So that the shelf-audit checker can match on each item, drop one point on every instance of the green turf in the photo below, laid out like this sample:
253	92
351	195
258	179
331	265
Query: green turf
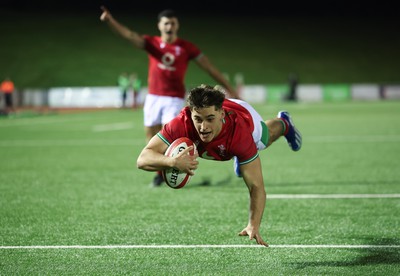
64	182
76	49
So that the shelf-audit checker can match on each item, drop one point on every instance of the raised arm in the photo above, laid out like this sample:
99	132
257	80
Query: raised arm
252	175
204	63
122	30
152	158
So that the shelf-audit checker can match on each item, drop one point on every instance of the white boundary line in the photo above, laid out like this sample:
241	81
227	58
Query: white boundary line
71	142
183	246
329	196
132	142
354	138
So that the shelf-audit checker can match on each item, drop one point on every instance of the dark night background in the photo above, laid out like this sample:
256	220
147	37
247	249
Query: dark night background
323	41
307	8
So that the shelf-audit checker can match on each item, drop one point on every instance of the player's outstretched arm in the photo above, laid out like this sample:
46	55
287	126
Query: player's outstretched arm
152	158
252	175
204	63
122	30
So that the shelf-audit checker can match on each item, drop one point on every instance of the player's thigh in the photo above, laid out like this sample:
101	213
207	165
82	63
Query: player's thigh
260	132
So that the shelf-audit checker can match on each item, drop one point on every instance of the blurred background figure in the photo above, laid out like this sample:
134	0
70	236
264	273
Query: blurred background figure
293	81
124	83
7	88
136	85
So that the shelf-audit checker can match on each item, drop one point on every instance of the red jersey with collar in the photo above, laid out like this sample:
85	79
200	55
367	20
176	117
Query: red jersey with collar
168	64
235	138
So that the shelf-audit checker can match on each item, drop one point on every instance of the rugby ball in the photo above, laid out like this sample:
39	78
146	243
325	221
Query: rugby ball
173	177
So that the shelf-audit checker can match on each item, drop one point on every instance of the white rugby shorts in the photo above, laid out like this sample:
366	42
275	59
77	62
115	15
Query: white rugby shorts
159	110
260	132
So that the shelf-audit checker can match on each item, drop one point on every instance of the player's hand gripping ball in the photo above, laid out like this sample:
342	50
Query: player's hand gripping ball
173	177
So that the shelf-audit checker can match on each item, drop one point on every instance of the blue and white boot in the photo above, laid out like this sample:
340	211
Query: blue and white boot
293	135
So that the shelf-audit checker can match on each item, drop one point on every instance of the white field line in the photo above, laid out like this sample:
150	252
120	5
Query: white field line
72	143
95	128
184	246
112	127
330	196
40	121
134	142
352	138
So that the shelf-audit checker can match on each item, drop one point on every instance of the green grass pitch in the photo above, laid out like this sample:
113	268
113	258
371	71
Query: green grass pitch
71	180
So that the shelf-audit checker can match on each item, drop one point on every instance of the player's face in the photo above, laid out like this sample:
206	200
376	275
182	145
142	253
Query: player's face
208	122
168	28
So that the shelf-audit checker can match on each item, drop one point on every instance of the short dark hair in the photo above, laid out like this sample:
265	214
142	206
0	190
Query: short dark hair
205	96
167	13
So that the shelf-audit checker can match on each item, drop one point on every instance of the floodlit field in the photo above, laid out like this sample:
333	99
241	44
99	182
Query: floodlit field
73	202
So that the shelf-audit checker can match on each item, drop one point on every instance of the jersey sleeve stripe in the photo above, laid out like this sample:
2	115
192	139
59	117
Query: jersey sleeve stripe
163	138
249	160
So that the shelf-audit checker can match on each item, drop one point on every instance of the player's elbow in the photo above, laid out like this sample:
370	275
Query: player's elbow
258	190
143	163
140	163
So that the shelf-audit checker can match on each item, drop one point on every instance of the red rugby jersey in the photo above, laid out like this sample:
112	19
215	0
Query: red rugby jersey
235	138
168	65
